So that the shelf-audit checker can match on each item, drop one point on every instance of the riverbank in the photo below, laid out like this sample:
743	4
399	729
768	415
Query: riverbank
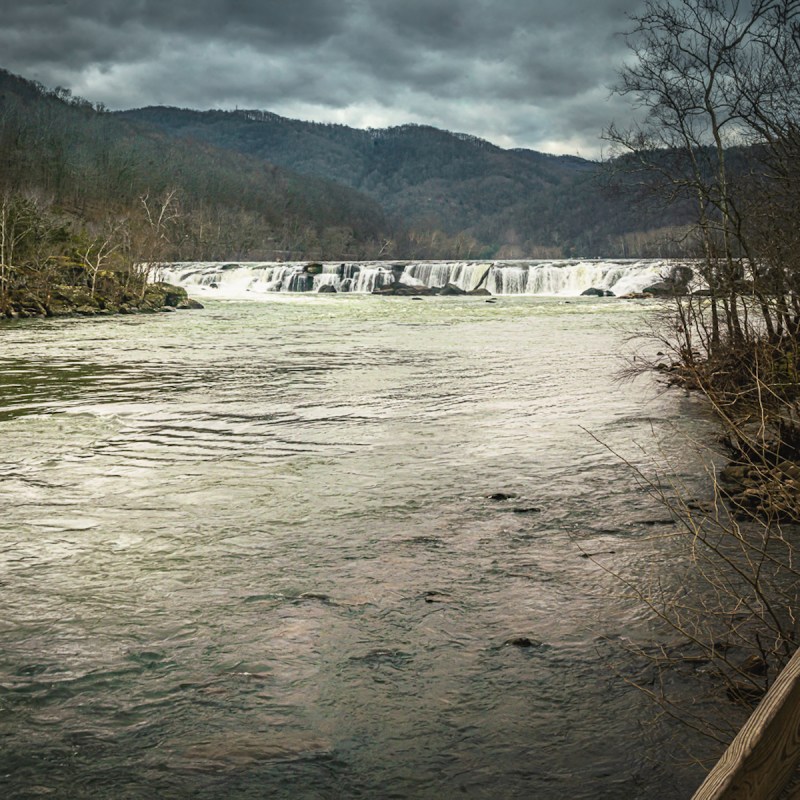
65	300
753	389
742	544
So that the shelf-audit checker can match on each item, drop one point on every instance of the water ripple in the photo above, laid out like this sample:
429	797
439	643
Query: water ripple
252	552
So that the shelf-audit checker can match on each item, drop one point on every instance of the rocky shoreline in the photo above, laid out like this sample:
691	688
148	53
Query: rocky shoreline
761	479
766	491
79	301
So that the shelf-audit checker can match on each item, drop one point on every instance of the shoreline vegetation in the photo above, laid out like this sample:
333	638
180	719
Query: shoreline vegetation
114	296
53	266
711	75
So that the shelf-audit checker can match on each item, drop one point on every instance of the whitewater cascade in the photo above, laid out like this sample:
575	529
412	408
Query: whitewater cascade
567	278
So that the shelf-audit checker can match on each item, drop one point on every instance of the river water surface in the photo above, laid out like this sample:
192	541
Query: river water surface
250	552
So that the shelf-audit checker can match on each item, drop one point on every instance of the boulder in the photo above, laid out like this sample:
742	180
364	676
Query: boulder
313	268
674	284
451	289
681	275
664	289
191	304
523	641
404	290
327	288
158	295
175	296
593	292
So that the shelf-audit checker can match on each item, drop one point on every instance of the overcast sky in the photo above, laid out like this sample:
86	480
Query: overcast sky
521	73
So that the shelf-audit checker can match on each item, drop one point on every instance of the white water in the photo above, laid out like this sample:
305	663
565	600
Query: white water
554	277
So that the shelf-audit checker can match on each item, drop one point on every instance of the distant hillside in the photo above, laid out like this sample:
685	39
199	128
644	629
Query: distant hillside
512	202
90	164
384	163
252	184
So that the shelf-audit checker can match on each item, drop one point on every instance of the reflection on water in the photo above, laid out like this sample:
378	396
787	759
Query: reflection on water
251	552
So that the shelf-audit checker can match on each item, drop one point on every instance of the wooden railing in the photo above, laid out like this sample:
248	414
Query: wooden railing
763	758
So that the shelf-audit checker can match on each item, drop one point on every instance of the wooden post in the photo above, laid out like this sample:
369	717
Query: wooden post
763	757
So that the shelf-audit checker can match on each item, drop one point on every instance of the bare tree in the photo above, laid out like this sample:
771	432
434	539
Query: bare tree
25	239
718	86
710	75
96	252
13	229
151	233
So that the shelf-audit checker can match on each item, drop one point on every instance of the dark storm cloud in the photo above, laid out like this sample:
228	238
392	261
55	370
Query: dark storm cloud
532	73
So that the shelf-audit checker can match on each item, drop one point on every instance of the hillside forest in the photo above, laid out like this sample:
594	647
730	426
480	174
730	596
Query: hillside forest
232	185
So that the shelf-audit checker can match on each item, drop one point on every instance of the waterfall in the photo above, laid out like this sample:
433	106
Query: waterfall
540	277
509	280
371	277
436	274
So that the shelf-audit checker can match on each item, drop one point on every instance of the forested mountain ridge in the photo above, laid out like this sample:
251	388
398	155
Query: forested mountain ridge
377	161
506	202
254	185
90	165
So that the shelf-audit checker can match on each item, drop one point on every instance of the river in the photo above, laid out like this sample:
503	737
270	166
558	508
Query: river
251	551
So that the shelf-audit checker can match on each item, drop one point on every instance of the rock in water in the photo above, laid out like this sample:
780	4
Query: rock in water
662	289
452	289
523	641
675	284
402	289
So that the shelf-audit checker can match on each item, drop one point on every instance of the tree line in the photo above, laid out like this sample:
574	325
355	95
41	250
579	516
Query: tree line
447	186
